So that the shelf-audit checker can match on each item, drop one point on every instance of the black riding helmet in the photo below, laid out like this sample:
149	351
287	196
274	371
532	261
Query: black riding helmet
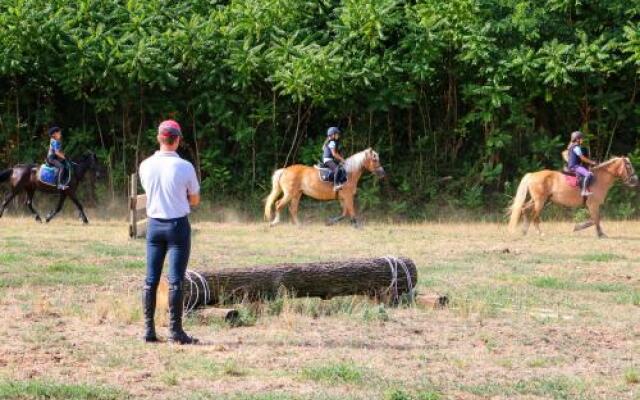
53	130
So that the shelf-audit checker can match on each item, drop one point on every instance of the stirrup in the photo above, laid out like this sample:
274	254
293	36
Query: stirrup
586	193
62	187
337	188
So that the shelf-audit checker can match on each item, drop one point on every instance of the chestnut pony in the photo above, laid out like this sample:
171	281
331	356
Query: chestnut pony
296	180
551	185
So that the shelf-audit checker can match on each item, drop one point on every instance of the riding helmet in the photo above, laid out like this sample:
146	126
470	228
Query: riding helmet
576	135
332	131
53	130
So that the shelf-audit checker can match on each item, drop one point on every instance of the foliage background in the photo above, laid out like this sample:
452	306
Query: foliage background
477	90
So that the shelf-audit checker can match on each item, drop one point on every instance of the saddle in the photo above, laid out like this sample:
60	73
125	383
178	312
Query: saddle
326	175
574	180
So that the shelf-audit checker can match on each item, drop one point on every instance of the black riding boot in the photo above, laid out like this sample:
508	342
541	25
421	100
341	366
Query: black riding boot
149	308
176	334
336	179
586	182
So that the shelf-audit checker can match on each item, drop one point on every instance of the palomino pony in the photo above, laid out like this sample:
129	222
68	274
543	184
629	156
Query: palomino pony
551	185
296	180
24	177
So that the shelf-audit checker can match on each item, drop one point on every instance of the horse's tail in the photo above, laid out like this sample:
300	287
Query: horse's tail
5	175
518	202
276	189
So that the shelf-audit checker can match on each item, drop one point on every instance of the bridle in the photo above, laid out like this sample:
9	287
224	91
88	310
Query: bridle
377	167
631	178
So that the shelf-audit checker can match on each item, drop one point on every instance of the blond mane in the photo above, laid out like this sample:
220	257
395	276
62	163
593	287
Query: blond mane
355	162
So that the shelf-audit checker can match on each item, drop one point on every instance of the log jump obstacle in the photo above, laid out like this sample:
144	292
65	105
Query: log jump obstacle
137	207
387	278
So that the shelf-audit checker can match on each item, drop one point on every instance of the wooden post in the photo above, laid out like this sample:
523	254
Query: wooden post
435	301
141	222
137	204
133	213
229	315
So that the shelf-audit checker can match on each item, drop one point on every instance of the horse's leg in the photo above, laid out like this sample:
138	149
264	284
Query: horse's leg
30	194
526	221
280	204
293	208
538	205
55	211
583	225
349	210
335	220
594	210
7	201
83	216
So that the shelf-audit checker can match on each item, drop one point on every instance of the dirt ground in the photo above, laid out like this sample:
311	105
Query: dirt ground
556	316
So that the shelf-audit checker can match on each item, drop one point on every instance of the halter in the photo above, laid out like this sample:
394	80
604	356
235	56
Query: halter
631	173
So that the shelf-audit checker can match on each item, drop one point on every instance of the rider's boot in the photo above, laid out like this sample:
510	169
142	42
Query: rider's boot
61	186
149	294
176	333
585	188
336	186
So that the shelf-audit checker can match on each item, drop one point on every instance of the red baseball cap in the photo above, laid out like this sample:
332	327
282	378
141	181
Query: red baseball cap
169	128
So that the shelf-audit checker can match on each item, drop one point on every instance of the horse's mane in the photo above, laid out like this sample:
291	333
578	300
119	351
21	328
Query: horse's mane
606	163
354	163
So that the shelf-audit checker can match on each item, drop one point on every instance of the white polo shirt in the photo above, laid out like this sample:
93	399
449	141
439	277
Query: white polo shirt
167	179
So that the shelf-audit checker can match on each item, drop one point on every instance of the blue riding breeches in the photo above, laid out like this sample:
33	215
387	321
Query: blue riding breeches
172	237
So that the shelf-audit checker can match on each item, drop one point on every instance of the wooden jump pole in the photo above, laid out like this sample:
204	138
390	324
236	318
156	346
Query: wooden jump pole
388	278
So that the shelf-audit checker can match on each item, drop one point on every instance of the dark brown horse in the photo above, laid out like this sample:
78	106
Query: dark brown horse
24	178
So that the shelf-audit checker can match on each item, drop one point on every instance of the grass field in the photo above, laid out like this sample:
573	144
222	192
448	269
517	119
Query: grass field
538	317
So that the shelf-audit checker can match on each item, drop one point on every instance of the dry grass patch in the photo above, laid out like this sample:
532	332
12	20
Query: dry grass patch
528	317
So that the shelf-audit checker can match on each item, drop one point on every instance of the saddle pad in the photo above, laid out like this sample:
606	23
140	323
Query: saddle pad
48	175
572	180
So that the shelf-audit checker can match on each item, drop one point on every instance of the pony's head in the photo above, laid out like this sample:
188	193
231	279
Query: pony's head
627	173
90	162
372	163
621	167
365	160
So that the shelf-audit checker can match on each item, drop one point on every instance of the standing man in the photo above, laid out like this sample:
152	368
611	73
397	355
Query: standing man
172	188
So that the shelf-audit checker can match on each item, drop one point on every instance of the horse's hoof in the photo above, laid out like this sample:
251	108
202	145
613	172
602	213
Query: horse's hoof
38	219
